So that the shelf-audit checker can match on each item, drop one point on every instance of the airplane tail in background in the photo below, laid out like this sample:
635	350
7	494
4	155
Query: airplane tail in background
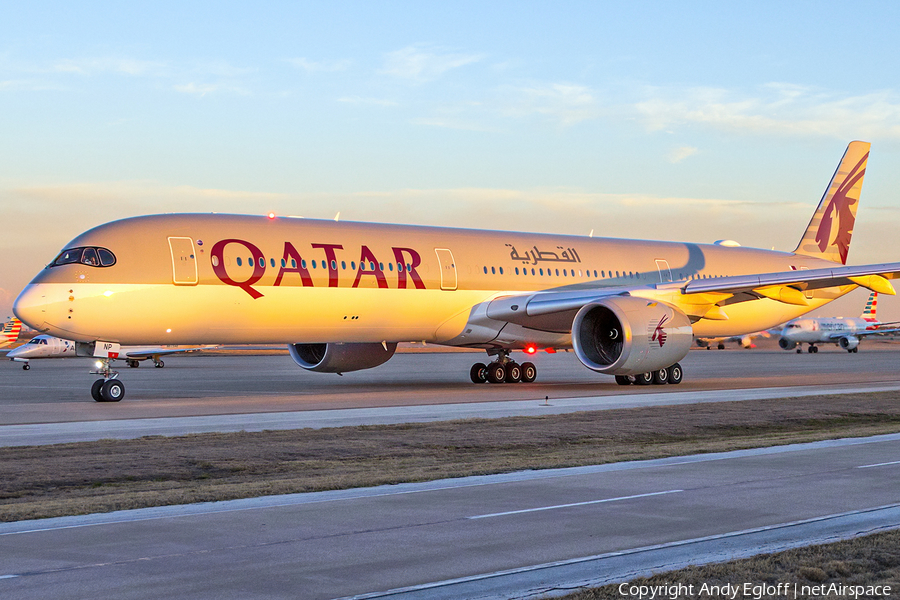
10	332
868	314
829	231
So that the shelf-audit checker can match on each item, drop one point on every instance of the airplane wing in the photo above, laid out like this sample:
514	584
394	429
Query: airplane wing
151	352
704	298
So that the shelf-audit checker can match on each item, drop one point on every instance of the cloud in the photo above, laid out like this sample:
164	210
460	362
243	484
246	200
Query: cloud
565	102
774	109
323	66
679	154
93	66
29	85
419	65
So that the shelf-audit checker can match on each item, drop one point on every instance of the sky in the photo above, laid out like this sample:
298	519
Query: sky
691	121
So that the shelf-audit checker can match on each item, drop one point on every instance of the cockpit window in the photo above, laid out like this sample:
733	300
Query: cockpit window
107	258
69	257
92	257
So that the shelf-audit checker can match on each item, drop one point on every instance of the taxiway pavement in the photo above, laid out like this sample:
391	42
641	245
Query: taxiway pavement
500	536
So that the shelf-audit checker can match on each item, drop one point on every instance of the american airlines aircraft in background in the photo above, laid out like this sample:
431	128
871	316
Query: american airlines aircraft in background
845	332
10	332
343	294
47	346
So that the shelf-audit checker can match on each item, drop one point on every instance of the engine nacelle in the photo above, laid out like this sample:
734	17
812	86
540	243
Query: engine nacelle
340	358
848	343
626	335
785	344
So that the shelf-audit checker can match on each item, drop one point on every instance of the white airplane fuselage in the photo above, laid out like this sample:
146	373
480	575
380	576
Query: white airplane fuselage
825	330
203	279
43	346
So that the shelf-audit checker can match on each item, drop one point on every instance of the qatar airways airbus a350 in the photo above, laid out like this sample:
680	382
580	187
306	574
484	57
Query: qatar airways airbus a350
343	294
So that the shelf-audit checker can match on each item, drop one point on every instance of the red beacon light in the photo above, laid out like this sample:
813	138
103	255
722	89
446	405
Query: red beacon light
271	215
530	349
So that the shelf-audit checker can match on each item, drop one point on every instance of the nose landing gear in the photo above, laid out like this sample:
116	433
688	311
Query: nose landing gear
108	389
503	370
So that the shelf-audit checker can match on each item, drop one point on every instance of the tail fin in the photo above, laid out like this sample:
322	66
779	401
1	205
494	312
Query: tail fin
868	313
829	231
10	332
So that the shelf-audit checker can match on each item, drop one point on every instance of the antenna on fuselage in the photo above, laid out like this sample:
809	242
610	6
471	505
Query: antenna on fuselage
337	217
591	234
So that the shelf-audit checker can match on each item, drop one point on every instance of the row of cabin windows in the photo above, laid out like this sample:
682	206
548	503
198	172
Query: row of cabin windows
315	264
539	271
588	273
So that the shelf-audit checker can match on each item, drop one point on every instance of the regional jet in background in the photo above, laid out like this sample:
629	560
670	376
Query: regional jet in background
343	294
745	341
47	346
10	332
845	332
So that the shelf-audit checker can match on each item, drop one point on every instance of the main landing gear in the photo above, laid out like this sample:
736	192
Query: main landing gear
134	364
673	374
813	349
503	370
108	389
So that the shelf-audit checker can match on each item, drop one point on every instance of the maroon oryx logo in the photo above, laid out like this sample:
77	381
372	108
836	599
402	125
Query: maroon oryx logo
658	334
838	215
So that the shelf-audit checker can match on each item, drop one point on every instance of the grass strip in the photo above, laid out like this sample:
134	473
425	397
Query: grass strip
90	477
870	562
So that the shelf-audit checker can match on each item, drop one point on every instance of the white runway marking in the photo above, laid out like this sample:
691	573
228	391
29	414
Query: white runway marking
884	464
530	510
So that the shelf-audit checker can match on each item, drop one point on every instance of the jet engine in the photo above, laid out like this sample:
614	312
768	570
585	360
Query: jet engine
626	335
340	358
785	344
848	343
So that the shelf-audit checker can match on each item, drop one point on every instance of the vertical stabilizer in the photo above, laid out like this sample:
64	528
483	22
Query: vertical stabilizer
868	313
829	231
10	332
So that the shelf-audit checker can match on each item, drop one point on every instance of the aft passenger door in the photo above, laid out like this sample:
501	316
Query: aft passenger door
665	273
448	268
184	261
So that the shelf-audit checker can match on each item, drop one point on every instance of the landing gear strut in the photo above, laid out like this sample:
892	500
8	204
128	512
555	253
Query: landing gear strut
503	370
108	389
673	375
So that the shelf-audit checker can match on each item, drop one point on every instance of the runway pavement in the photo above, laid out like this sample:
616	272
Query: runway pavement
192	394
501	536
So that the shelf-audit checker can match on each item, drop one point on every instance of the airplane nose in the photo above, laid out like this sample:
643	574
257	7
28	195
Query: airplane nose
17	352
31	307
